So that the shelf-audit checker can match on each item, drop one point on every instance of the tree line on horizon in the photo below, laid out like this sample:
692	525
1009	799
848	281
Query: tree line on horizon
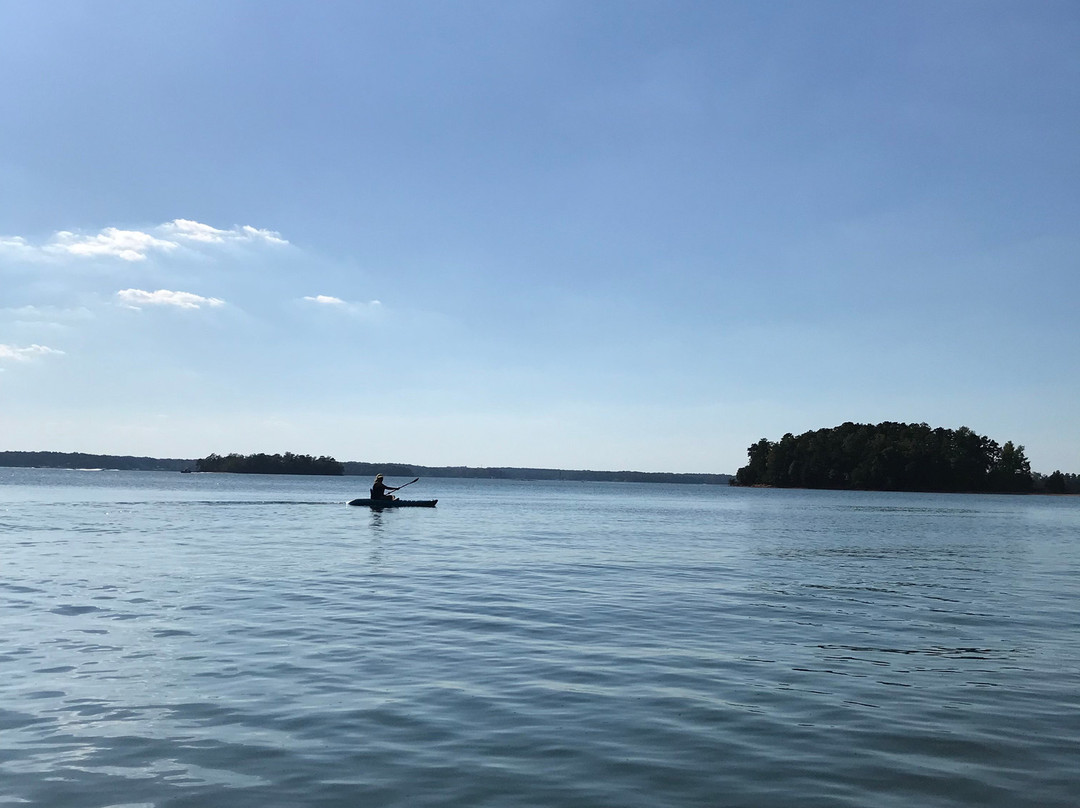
524	473
216	462
82	460
892	457
1056	483
287	463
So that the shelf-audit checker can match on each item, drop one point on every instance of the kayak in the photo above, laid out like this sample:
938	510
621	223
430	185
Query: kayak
395	503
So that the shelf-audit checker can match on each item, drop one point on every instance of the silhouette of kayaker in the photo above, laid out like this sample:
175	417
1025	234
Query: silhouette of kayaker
380	490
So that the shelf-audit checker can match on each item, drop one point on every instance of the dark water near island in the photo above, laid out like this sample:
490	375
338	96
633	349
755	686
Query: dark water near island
220	640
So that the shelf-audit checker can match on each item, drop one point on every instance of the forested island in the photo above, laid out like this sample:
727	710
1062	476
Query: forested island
895	457
287	463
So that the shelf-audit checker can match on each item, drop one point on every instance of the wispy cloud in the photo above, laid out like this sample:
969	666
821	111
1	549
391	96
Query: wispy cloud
188	230
27	354
325	300
44	316
13	243
138	298
137	245
344	306
46	312
19	249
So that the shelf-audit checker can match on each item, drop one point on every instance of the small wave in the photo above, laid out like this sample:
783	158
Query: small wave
906	509
933	651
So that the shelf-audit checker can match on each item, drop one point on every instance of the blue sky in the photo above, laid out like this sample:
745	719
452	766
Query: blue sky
607	235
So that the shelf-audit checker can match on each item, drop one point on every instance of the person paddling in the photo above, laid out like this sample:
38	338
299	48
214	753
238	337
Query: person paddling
379	489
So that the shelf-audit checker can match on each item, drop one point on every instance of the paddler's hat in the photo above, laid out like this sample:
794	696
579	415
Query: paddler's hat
378	476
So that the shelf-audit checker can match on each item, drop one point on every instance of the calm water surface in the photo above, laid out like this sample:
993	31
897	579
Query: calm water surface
230	640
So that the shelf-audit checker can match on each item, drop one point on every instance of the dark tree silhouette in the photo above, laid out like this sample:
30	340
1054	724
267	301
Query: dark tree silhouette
288	463
888	457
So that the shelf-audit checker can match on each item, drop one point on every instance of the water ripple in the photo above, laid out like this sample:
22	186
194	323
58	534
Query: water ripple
518	647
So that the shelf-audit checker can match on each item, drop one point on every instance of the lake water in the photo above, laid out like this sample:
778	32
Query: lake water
231	640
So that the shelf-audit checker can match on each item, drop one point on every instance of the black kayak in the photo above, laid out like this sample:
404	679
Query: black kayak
395	503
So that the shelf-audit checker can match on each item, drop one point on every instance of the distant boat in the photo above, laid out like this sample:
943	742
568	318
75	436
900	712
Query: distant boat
395	503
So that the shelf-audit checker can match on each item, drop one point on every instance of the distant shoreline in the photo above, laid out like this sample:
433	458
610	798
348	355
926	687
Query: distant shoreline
80	460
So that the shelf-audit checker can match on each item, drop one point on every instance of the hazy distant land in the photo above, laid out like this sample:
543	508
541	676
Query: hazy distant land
79	460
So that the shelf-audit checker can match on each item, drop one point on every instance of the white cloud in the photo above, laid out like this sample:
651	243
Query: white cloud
137	298
26	354
325	300
128	245
136	245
